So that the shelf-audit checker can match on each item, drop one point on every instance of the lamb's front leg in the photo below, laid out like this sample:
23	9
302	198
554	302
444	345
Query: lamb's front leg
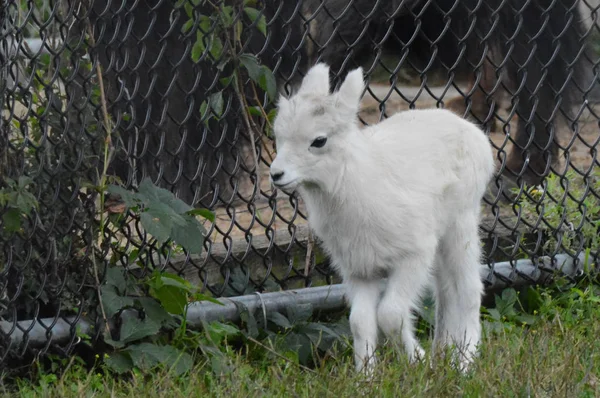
363	297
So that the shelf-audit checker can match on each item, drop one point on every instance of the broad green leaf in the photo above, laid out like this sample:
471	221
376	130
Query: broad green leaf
251	64
253	14
494	314
169	279
190	236
147	355
127	196
119	362
173	299
204	297
299	313
25	201
267	82
248	319
220	365
533	299
216	103
220	331
209	215
279	320
155	311
157	196
112	302
115	276
133	329
11	220
23	181
158	227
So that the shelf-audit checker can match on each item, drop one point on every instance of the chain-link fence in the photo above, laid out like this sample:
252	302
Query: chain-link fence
103	92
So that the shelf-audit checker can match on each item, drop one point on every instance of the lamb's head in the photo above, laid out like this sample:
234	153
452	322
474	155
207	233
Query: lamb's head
315	130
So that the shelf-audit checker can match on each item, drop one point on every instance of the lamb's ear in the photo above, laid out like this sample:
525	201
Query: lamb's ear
316	80
351	89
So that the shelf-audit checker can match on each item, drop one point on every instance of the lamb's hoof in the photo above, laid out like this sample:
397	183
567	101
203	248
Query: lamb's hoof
366	367
417	356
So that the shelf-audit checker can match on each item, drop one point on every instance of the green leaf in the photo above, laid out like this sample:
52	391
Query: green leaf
494	314
23	181
158	197
299	313
533	299
279	320
247	319
172	298
267	82
220	331
251	64
220	365
12	220
226	15
204	297
146	356
160	279
198	48
115	276
112	302
133	329
225	81
189	9
253	14
190	236
155	311
25	201
209	215
119	362
216	103
154	226
254	111
187	26
203	109
272	114
126	196
216	47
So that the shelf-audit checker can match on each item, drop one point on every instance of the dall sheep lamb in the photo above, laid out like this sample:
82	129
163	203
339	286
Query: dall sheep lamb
396	206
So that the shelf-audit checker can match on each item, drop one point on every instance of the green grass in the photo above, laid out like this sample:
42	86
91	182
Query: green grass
552	350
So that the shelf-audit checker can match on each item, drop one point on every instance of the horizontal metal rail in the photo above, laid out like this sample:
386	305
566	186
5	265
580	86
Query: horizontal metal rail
323	298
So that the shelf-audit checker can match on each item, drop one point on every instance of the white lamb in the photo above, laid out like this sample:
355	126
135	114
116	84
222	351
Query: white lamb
394	205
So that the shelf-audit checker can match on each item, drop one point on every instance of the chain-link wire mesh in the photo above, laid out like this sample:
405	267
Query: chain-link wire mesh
104	90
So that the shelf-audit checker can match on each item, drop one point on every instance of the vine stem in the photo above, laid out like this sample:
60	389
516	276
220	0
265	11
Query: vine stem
250	126
108	151
266	118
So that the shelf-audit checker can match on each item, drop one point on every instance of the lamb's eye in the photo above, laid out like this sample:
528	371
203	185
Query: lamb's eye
319	142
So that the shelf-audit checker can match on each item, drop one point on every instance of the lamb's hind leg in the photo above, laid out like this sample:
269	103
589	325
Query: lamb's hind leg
400	296
459	289
363	296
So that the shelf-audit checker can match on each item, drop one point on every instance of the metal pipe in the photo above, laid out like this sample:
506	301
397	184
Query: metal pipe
321	298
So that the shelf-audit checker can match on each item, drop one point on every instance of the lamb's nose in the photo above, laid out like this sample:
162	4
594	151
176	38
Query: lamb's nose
276	176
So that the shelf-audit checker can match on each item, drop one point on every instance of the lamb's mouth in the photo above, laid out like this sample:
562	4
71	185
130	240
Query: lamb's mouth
283	186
